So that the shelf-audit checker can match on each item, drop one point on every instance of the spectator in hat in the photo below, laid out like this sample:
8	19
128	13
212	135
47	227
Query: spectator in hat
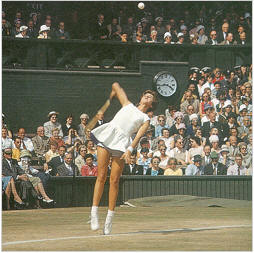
238	169
133	168
202	38
224	157
193	39
40	142
212	40
189	100
22	184
23	32
180	38
155	169
43	32
144	160
171	169
52	124
194	123
82	126
214	141
38	179
89	169
195	169
215	167
168	38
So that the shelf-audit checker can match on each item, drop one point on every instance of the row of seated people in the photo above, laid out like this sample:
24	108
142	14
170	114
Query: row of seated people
223	33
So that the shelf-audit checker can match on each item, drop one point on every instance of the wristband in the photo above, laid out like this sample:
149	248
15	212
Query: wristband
130	148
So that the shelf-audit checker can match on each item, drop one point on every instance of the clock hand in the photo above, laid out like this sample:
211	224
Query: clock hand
162	85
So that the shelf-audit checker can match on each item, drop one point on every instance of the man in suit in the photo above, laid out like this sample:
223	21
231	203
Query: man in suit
100	117
132	168
206	159
221	35
40	142
213	38
243	131
67	168
229	40
57	161
214	167
212	123
10	167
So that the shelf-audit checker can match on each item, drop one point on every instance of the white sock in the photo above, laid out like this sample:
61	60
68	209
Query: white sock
94	209
110	213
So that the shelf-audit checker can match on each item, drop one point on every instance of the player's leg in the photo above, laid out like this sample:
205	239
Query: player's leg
116	172
103	160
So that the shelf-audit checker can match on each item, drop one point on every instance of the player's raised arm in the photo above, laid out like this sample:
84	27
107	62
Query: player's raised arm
117	91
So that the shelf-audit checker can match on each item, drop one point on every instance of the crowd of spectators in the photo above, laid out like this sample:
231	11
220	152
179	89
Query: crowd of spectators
218	24
208	133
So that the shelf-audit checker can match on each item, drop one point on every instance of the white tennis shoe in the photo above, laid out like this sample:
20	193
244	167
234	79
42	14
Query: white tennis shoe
108	225
94	221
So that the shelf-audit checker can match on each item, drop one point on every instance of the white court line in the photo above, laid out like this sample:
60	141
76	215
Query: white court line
126	234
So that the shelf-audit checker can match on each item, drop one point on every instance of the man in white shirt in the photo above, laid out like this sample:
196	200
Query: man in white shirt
26	143
6	141
237	168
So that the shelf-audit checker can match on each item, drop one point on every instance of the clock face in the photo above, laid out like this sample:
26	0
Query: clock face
165	83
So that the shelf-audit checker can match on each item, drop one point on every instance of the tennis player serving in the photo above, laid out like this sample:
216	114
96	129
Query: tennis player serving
114	139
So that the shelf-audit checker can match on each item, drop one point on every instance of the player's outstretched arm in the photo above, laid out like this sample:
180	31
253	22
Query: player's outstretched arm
126	156
118	91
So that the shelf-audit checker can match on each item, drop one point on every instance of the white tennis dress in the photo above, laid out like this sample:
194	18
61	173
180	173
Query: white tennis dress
116	135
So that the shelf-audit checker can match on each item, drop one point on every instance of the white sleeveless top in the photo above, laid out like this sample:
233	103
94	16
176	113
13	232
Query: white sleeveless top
116	134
